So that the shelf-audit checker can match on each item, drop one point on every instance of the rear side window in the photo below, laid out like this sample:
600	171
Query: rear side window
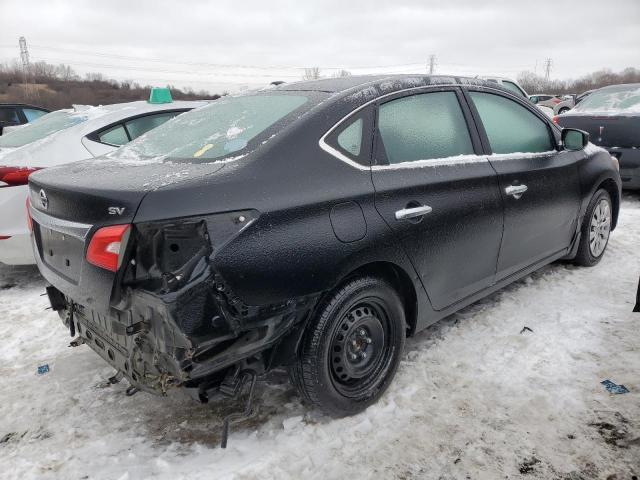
33	114
510	127
114	136
422	127
350	139
142	125
9	116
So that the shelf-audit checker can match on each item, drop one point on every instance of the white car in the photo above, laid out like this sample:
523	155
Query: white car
509	84
62	137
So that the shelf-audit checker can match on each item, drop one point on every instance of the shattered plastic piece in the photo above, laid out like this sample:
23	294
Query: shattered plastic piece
43	369
614	388
525	329
637	307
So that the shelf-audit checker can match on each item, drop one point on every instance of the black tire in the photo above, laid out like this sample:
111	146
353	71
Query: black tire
586	256
336	374
563	110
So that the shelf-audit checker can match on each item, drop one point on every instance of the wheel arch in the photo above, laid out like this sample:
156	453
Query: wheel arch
399	280
610	186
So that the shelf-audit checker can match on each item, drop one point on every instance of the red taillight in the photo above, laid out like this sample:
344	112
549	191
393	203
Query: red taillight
29	219
106	245
14	176
555	119
556	100
5	237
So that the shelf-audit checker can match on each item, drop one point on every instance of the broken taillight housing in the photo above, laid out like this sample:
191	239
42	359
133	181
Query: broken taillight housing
107	246
14	176
29	218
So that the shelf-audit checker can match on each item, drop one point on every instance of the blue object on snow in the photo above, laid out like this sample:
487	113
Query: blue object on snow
614	388
42	369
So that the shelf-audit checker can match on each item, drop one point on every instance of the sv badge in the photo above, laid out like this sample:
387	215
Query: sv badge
115	210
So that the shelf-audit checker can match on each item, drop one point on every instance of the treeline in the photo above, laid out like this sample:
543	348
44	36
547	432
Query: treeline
59	86
533	83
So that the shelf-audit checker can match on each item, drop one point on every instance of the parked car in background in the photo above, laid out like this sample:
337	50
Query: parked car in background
544	100
61	137
14	114
567	103
313	225
611	115
507	83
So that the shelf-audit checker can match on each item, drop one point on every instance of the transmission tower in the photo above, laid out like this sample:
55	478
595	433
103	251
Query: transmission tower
432	64
548	63
24	55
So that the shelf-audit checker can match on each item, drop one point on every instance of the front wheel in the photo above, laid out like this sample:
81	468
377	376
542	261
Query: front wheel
596	227
352	347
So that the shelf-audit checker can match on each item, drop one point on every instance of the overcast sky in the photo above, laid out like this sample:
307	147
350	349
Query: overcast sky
230	45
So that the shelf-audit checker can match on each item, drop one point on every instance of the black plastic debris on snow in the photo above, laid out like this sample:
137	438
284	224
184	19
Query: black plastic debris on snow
614	388
525	329
528	465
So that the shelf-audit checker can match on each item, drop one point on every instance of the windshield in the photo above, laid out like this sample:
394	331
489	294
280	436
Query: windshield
620	98
43	127
222	128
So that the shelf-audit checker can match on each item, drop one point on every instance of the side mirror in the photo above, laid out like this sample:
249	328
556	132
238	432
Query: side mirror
574	139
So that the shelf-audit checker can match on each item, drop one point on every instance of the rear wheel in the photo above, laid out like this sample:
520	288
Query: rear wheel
563	110
596	227
352	347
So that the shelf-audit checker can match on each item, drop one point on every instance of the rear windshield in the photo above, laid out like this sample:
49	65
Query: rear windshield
225	127
42	127
620	98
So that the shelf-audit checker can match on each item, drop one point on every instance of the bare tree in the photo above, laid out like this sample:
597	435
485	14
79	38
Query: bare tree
312	73
342	73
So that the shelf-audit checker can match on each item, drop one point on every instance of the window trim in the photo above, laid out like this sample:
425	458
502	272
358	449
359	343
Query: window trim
322	143
95	135
363	160
553	130
469	120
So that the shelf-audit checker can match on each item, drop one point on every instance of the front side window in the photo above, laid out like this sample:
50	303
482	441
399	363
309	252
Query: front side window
510	127
222	128
33	114
114	136
141	125
45	126
423	127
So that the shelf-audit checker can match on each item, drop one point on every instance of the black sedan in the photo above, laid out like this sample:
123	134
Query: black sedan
611	115
313	225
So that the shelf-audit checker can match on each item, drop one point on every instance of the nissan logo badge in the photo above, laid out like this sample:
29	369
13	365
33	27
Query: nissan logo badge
44	201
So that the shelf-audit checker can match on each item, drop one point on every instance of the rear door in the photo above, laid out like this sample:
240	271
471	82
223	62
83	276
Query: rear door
539	182
437	191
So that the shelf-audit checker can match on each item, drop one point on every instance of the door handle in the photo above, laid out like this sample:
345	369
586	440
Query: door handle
516	191
413	212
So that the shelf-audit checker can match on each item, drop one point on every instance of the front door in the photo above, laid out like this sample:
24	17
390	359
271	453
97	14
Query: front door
437	192
539	183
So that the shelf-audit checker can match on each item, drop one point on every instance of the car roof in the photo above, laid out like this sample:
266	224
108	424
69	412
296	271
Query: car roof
384	82
104	115
23	105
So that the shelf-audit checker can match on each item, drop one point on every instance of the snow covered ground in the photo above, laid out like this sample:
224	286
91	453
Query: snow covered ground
474	397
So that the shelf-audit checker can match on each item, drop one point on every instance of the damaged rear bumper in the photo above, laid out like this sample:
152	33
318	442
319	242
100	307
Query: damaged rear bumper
147	344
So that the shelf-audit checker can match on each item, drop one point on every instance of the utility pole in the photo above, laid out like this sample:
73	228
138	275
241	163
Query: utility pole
547	68
24	55
432	64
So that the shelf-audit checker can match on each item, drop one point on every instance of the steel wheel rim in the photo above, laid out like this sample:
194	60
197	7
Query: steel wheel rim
360	349
600	228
